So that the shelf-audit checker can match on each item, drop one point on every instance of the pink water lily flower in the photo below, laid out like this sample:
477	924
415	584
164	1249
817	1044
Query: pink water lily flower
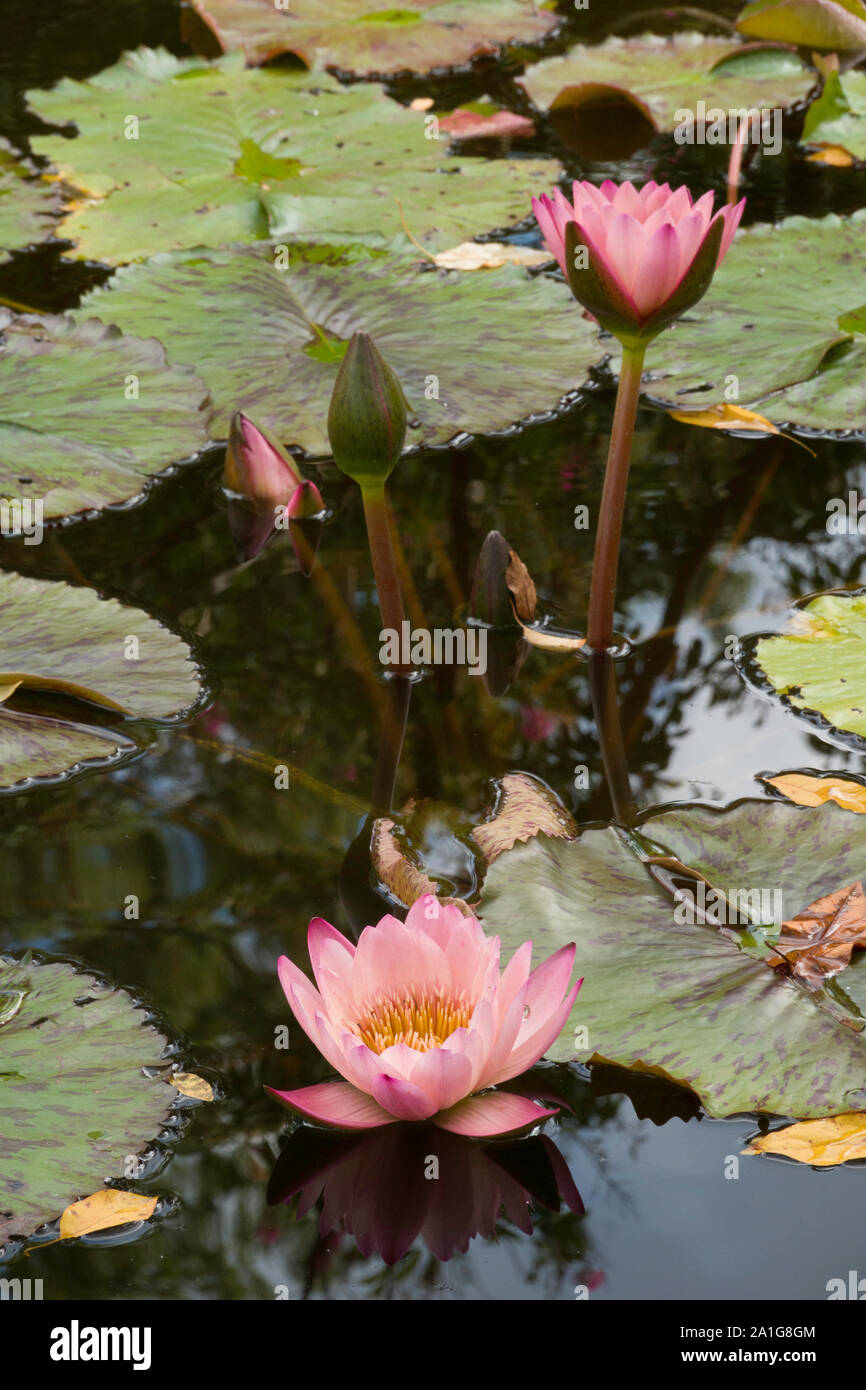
636	259
421	1022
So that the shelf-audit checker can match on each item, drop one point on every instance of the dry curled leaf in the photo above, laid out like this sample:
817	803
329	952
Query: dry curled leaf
8	688
806	789
725	417
520	585
191	1085
551	639
820	1143
488	255
111	1207
398	872
524	808
818	942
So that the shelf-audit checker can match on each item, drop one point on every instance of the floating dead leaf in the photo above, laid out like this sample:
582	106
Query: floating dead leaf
525	807
821	1143
725	417
473	125
835	155
818	942
807	789
551	639
8	689
520	585
421	104
111	1207
488	255
398	872
191	1085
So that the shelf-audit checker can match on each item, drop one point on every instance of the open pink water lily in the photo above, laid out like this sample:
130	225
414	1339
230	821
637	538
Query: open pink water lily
421	1022
636	260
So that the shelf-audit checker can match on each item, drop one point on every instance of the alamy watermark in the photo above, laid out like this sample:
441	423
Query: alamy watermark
736	907
438	646
717	127
23	517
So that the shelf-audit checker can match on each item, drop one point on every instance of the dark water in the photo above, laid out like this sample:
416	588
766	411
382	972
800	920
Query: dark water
721	533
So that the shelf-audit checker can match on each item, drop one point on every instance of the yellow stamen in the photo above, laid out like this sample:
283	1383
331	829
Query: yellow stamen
421	1021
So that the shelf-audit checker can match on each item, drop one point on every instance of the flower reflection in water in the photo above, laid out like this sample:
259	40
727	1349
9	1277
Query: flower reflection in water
386	1187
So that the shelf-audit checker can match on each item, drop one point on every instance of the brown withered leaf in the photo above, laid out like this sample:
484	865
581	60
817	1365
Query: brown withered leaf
817	943
519	583
820	1143
525	807
191	1085
806	789
472	125
111	1207
397	871
488	255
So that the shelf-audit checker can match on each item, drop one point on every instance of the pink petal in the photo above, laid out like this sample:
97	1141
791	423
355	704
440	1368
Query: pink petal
445	1076
546	987
624	249
627	200
494	1113
331	956
335	1103
528	1051
549	230
391	956
679	204
402	1099
731	216
661	272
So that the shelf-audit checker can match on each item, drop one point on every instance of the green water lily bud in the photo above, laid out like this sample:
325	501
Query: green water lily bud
367	418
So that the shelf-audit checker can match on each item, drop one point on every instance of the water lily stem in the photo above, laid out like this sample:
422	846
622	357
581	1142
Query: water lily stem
384	565
602	593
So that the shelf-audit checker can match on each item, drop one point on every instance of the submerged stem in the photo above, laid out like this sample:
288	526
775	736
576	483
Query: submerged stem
602	593
384	564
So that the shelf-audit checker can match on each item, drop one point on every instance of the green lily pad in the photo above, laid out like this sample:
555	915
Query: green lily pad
818	667
75	1105
370	39
838	115
467	337
28	205
69	642
830	24
684	1001
88	417
667	75
223	154
771	327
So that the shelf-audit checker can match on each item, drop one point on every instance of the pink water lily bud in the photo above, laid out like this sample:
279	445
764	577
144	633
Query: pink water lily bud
305	501
422	1023
636	260
256	464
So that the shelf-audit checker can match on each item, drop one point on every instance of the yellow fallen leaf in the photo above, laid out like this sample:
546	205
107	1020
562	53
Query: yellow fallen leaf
191	1085
806	790
821	1143
836	155
111	1207
8	689
489	255
725	417
551	639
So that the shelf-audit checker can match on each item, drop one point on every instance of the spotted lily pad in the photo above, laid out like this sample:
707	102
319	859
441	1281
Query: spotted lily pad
364	38
683	999
459	343
76	1106
818	667
68	642
666	75
87	416
830	24
28	205
779	326
174	153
